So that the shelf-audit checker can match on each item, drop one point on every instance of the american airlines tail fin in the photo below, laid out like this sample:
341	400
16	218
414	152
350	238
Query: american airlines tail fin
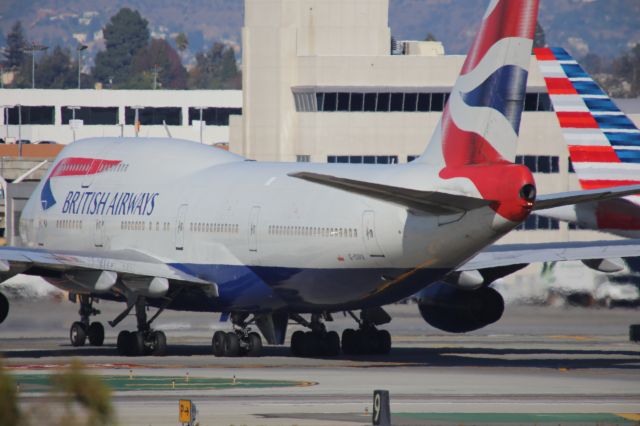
480	124
604	145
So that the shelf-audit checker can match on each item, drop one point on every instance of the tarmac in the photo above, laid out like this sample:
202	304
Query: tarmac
537	365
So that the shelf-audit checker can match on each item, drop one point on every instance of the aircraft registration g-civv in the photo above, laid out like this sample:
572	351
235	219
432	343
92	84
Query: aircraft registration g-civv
604	145
178	225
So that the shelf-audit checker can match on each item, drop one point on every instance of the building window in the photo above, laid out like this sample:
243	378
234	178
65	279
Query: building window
154	116
303	158
363	159
32	115
357	101
91	115
538	223
214	116
540	163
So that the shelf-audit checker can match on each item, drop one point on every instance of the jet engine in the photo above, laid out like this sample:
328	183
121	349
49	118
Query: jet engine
4	307
452	309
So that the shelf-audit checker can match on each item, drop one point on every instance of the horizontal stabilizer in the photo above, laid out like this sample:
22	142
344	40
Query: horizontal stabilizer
512	254
576	197
437	203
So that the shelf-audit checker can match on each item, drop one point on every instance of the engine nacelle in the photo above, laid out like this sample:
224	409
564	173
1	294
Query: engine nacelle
454	310
4	307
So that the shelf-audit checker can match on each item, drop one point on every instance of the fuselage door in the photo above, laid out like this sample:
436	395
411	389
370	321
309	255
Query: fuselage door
98	232
370	239
254	216
180	221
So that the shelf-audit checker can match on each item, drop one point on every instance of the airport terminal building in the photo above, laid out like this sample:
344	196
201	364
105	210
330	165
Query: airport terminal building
322	82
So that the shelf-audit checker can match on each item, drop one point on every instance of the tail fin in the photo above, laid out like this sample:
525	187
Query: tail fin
604	145
481	121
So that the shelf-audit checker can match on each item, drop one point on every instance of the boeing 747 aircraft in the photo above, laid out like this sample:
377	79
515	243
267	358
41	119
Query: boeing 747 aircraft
178	225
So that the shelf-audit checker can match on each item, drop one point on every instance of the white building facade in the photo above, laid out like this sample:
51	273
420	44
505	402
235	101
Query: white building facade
64	115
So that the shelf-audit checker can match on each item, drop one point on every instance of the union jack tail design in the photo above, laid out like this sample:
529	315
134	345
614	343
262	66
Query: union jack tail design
481	121
604	145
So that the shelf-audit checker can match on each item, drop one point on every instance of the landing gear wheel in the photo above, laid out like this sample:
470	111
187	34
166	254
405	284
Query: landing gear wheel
123	343
218	343
255	344
296	342
332	344
136	344
384	342
159	340
4	307
348	341
231	344
77	334
95	332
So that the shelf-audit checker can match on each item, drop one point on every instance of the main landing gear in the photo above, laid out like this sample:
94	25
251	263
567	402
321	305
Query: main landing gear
144	341
365	340
83	329
318	341
239	342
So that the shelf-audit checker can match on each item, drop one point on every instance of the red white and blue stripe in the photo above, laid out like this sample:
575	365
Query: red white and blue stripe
604	144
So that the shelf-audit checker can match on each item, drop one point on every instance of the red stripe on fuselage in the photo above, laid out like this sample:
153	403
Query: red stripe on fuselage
593	154
577	120
509	18
559	86
80	166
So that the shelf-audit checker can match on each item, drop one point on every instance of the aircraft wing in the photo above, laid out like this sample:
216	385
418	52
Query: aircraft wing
130	263
437	203
576	197
514	254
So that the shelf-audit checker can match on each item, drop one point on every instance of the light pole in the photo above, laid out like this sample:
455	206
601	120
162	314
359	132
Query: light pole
19	130
79	49
73	120
33	48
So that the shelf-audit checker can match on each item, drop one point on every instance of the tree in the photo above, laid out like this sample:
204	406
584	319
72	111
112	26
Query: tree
182	42
430	37
16	41
215	69
539	40
57	70
161	56
125	34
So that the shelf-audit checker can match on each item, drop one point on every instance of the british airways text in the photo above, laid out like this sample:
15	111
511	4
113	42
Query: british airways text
108	203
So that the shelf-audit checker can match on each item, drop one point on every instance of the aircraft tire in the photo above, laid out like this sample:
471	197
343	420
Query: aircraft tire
159	343
218	343
332	344
348	341
77	334
255	344
123	343
96	334
136	344
4	307
384	342
232	345
296	342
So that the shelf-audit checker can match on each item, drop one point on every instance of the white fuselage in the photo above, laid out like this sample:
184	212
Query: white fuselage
267	239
